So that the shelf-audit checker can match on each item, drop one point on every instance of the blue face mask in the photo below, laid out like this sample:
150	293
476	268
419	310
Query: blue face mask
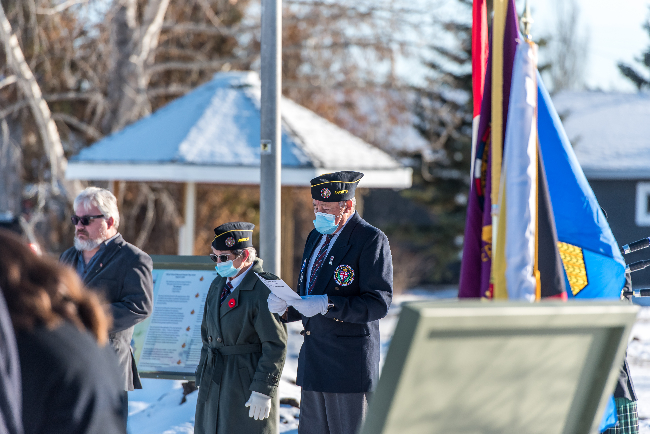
226	269
324	223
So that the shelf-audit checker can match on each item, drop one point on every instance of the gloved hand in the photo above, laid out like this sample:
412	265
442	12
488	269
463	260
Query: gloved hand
276	304
310	305
260	406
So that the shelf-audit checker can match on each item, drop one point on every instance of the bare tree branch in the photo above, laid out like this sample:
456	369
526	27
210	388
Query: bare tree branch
7	81
181	53
365	7
214	19
70	96
147	225
41	112
206	29
76	123
133	101
13	108
214	65
60	8
176	89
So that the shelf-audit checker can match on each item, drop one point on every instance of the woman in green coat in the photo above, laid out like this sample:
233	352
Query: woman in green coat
244	345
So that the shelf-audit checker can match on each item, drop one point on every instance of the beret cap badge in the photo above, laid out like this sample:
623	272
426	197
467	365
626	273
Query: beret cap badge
325	193
230	241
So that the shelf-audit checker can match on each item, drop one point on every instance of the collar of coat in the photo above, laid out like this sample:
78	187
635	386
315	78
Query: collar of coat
105	256
247	282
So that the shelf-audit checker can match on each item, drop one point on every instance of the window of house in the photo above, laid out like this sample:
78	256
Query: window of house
643	204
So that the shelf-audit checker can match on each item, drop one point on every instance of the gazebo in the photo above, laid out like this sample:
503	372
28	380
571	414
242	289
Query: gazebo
212	135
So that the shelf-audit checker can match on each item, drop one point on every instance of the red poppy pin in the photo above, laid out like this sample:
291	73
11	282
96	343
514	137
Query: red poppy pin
231	303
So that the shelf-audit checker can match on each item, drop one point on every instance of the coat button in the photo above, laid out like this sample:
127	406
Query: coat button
209	338
219	339
307	332
336	288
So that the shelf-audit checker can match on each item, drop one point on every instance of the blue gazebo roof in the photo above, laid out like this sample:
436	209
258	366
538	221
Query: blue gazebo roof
212	134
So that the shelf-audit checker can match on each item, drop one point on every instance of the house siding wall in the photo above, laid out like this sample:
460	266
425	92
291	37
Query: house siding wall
618	199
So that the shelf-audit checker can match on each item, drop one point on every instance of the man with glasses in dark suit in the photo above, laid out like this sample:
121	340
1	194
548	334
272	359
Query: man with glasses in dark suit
117	270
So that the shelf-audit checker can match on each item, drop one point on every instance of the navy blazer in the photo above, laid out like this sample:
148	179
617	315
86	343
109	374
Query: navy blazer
340	353
122	276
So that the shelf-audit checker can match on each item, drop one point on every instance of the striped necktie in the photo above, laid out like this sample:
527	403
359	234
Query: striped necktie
224	294
318	263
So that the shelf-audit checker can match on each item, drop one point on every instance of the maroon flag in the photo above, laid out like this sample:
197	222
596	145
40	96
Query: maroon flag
477	248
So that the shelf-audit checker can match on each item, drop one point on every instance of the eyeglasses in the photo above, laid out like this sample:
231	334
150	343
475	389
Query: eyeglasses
222	258
84	219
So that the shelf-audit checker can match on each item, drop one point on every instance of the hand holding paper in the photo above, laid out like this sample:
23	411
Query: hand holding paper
276	304
280	289
310	305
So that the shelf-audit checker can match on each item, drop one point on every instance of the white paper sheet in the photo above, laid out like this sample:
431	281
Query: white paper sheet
280	289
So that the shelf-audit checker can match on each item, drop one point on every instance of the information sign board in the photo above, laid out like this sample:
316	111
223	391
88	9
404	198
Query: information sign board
168	343
497	367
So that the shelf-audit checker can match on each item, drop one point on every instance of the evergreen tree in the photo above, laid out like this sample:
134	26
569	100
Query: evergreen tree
639	79
443	111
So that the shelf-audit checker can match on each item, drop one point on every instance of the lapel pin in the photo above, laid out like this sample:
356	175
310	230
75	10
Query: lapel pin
331	259
101	265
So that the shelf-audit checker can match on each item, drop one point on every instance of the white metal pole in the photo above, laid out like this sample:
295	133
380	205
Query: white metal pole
186	232
271	145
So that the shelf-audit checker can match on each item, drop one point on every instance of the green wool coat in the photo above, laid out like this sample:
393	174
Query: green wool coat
244	349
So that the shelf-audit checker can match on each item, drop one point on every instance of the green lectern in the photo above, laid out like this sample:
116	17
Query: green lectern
500	368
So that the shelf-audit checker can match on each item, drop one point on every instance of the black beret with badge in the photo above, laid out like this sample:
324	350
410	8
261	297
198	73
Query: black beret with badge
335	187
233	236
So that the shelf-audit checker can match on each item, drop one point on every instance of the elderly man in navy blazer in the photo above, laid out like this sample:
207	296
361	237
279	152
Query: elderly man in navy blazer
117	270
346	287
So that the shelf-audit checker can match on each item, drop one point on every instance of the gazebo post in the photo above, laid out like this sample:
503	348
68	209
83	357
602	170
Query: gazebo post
186	231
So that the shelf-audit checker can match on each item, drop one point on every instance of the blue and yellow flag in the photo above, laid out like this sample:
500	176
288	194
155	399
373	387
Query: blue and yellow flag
592	261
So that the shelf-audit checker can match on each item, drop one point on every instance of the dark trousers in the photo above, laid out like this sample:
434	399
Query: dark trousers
332	413
125	407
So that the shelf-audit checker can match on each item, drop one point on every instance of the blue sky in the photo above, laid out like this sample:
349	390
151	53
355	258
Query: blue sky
615	34
614	30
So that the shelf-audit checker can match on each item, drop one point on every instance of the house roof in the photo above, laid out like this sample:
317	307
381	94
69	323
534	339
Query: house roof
212	135
610	132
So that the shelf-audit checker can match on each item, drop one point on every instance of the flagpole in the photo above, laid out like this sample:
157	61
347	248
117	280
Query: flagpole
498	32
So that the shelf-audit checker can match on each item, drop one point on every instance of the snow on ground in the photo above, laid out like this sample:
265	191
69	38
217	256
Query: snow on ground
157	408
638	356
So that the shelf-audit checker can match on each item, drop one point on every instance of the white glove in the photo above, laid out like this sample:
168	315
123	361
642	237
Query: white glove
310	305
276	304
260	406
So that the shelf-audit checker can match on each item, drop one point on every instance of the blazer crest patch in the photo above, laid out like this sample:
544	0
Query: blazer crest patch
344	275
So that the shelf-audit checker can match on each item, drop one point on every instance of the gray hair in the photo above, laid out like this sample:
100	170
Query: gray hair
103	199
354	203
252	253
